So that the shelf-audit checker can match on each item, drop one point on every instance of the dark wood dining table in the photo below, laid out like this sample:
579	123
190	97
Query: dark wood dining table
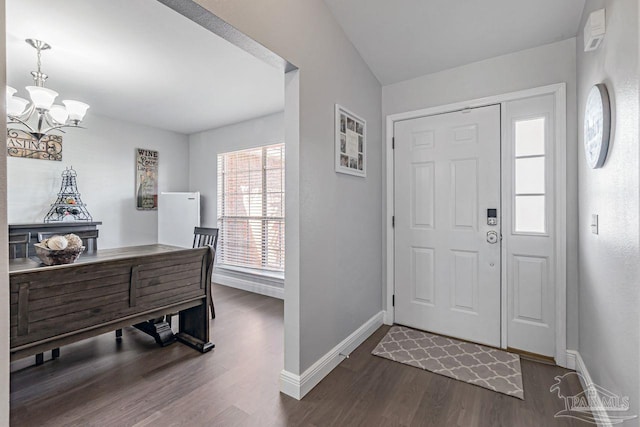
103	291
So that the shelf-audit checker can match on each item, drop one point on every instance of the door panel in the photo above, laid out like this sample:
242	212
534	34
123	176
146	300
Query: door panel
529	285
464	194
447	174
423	195
423	278
464	281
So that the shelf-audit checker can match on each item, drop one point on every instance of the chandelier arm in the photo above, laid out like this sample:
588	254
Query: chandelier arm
60	127
50	122
15	119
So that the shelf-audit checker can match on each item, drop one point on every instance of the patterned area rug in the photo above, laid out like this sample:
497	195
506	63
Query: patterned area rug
476	364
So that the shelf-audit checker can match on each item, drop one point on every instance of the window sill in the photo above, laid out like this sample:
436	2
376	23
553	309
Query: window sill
263	276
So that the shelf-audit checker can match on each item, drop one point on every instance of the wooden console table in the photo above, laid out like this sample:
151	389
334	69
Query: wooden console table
51	306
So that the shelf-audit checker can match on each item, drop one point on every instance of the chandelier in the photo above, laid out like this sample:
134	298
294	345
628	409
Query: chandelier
41	111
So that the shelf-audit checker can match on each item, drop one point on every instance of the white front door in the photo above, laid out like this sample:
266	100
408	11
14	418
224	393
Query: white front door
447	256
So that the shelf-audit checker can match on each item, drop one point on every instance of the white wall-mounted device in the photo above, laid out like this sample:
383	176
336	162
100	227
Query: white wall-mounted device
594	30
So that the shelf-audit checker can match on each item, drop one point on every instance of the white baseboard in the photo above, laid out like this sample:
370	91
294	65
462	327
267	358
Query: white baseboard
247	285
585	379
571	359
297	386
290	384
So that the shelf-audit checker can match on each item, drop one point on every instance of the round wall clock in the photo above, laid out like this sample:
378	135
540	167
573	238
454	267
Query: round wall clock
597	126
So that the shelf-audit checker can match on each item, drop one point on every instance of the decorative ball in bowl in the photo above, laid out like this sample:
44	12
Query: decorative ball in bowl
58	250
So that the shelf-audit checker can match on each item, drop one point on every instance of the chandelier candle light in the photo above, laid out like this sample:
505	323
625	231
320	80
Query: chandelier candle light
49	117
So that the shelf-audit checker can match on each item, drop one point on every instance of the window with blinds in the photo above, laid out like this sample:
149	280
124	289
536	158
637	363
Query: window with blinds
251	208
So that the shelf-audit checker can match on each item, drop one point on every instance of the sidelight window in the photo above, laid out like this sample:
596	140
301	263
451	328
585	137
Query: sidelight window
530	173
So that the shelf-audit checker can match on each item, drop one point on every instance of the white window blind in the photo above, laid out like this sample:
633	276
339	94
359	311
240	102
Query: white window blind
251	208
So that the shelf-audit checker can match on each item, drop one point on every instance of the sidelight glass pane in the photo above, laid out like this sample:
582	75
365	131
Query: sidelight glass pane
530	214
530	175
530	137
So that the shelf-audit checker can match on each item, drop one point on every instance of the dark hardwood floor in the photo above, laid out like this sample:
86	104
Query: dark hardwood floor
100	382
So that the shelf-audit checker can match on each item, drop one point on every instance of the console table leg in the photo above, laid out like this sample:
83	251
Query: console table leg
39	359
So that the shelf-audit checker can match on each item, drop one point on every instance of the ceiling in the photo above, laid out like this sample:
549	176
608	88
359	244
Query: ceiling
403	39
141	62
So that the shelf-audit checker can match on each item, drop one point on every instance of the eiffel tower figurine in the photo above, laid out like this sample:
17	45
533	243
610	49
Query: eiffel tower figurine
68	205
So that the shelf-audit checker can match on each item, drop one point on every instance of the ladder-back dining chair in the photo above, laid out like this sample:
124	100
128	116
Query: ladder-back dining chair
207	236
19	245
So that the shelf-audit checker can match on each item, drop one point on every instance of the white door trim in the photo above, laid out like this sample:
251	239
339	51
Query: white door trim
559	92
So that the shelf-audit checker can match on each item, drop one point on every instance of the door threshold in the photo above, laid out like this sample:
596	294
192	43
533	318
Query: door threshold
547	360
458	339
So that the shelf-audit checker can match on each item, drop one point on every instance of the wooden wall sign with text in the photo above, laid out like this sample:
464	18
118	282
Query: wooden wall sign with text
146	179
22	144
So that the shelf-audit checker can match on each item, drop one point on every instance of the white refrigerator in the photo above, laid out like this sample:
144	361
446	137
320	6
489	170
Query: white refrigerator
178	214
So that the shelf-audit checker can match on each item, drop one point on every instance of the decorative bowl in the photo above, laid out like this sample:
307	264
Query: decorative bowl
52	257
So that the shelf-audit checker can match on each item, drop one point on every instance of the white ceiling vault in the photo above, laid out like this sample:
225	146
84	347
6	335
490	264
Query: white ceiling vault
403	39
141	62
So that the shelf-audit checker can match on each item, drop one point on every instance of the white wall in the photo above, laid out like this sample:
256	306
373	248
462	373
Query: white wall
540	66
340	245
204	148
103	154
609	262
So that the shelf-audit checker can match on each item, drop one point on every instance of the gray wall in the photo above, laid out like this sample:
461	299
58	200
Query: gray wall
204	148
609	262
339	215
103	154
540	66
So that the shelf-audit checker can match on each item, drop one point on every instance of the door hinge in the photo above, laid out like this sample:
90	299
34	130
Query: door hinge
393	143
393	221
393	300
